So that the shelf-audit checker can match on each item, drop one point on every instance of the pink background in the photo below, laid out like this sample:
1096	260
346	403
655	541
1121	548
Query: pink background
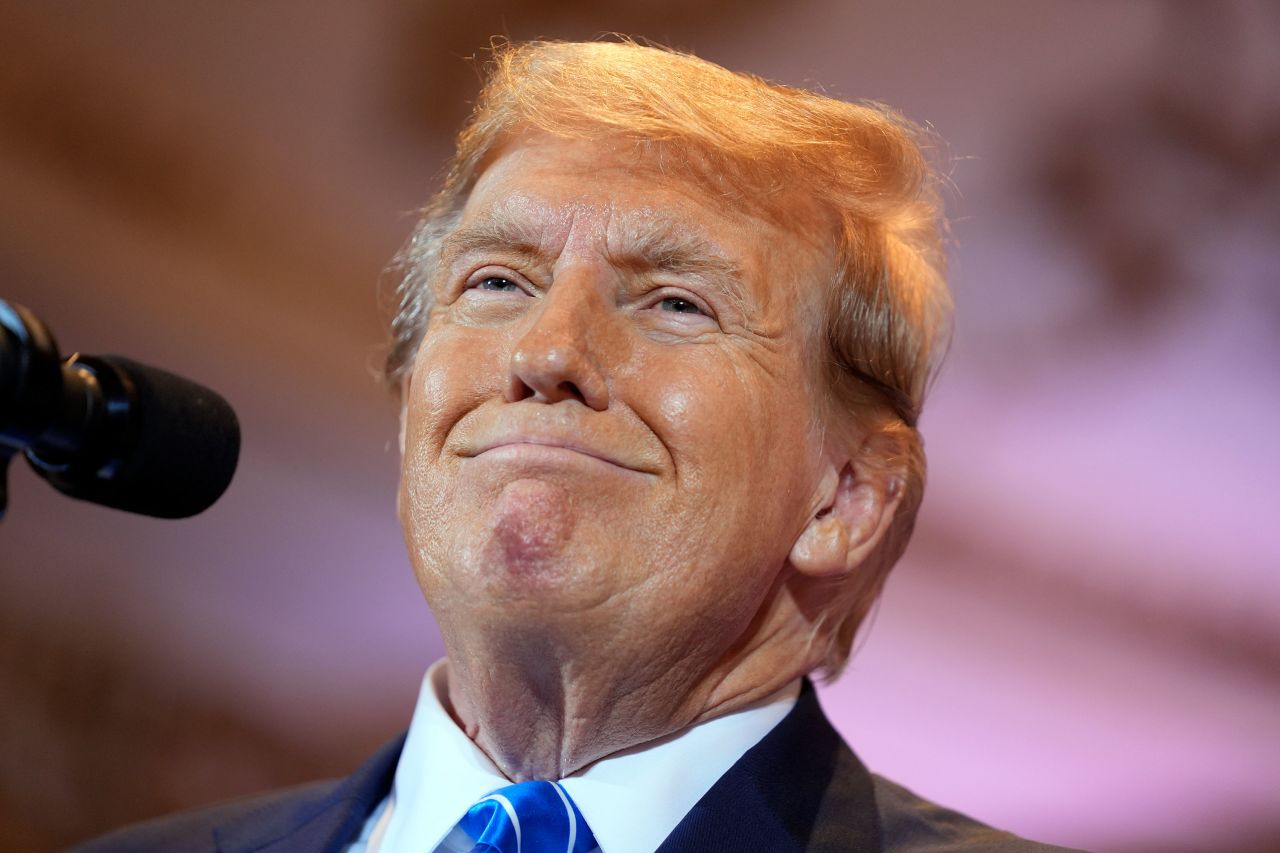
1082	644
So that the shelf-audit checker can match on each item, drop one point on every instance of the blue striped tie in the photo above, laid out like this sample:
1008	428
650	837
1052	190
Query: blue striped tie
531	817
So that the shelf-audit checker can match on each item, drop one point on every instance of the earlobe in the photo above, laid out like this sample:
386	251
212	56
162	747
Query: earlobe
820	550
850	523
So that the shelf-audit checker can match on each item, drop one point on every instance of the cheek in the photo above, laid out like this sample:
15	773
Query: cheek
427	408
453	374
706	424
428	400
723	418
678	405
456	369
743	446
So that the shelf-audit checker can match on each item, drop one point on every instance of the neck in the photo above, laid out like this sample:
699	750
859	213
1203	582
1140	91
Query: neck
547	718
543	708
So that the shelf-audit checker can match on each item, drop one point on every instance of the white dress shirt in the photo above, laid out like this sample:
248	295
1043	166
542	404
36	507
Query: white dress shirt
632	800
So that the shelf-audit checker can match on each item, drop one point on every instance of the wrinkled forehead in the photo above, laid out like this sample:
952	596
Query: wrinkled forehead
618	187
627	201
531	218
640	238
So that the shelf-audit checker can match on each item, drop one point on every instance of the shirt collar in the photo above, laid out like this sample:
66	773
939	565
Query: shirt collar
632	799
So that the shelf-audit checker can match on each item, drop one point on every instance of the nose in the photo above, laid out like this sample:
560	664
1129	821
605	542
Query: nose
554	360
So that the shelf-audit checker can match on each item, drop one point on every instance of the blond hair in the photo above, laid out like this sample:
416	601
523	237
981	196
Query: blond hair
887	313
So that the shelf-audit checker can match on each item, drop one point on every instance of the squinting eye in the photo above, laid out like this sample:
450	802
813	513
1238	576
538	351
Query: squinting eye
495	282
680	306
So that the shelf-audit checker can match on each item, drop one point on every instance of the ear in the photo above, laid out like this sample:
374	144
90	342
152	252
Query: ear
858	498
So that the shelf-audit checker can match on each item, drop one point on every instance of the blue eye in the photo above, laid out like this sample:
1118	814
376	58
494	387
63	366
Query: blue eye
680	306
498	283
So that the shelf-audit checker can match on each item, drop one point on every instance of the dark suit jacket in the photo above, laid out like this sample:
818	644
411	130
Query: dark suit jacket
800	789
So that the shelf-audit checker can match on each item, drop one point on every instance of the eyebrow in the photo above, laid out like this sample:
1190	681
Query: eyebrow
495	232
651	243
669	246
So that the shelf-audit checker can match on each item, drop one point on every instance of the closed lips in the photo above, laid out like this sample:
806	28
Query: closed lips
518	440
542	441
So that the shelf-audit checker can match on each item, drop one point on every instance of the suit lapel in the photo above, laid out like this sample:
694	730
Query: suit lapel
800	789
327	821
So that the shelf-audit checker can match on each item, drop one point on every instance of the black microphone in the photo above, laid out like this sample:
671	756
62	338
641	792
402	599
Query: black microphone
110	430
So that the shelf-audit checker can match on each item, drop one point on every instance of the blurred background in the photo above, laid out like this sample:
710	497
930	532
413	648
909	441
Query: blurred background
1082	644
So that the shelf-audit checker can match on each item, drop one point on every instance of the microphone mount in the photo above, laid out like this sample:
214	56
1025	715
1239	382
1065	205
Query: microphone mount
30	385
109	430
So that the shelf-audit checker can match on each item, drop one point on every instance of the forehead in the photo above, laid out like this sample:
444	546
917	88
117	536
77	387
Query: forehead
554	181
625	201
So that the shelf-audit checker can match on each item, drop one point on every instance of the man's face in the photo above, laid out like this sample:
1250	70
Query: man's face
611	426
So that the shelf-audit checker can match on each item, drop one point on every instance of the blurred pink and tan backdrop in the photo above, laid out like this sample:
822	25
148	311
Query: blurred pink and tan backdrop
1082	644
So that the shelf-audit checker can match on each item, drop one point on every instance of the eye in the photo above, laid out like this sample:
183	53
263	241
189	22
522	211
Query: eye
497	283
679	306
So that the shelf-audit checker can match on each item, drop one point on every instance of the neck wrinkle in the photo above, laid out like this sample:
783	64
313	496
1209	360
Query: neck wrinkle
545	708
545	726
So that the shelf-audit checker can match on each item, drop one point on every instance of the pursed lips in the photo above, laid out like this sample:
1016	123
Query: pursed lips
517	441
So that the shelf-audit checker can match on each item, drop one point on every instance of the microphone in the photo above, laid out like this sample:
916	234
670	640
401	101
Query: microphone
109	430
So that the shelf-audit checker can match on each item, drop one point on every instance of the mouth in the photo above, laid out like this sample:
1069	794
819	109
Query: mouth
547	450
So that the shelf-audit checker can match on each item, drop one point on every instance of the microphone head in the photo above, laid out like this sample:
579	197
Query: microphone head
175	456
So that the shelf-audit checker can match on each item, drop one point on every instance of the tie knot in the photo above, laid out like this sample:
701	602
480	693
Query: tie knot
530	817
